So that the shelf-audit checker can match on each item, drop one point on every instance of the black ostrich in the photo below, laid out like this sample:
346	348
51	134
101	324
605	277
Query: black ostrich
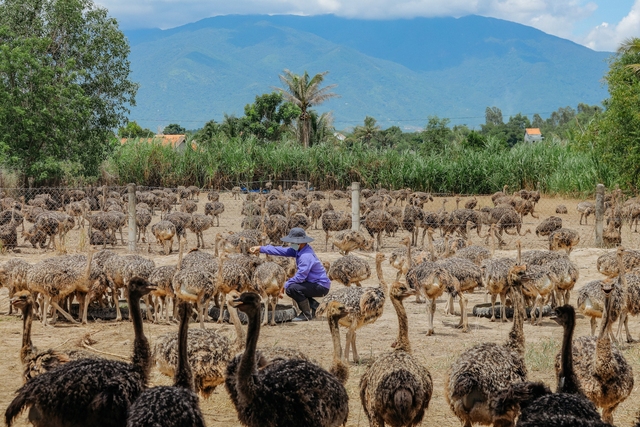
89	392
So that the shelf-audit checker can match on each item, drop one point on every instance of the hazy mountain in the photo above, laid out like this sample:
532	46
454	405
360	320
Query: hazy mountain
398	71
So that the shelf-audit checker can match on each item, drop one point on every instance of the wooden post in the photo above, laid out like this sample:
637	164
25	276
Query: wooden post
599	214
355	206
132	217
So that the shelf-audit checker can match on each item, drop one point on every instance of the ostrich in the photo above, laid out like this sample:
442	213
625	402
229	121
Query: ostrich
171	406
537	405
349	269
604	375
396	388
483	370
279	393
34	362
365	306
95	392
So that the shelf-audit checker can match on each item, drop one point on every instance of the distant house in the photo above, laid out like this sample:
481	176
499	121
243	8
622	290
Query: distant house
339	136
532	135
177	142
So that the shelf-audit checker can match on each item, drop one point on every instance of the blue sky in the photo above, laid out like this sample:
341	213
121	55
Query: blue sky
598	24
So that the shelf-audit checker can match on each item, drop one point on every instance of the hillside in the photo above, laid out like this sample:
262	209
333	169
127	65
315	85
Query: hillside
398	71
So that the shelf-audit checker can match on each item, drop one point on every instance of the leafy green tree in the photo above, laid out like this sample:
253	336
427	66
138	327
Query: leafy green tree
389	137
208	131
493	116
65	86
231	126
475	140
305	92
269	117
134	130
436	134
367	133
614	136
174	129
631	46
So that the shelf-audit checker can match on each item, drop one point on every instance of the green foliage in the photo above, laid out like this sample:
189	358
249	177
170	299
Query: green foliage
305	92
174	129
134	130
268	118
613	138
65	77
475	140
368	132
224	161
436	134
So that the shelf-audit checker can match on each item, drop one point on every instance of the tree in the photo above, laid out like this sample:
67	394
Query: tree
65	85
134	130
174	129
631	46
493	116
614	135
436	134
305	92
269	117
475	140
368	132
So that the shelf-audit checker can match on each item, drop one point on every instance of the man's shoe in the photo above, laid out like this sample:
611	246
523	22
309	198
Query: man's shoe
314	306
305	312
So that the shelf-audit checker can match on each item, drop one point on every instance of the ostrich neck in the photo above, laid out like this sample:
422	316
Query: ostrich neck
27	346
180	254
432	250
516	335
402	343
338	365
183	377
87	271
622	271
237	324
380	273
604	358
141	351
246	368
566	379
409	260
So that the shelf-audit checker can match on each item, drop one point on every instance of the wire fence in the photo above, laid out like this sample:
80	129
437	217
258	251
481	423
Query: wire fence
55	217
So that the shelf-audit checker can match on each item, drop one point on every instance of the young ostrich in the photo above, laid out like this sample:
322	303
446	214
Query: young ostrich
483	370
334	312
365	305
95	392
33	361
195	285
535	402
396	388
349	269
280	393
605	377
207	350
171	406
563	238
494	279
269	277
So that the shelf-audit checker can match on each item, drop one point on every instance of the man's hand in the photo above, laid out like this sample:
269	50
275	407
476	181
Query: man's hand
254	249
281	294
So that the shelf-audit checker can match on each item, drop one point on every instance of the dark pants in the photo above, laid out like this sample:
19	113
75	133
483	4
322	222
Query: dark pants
305	290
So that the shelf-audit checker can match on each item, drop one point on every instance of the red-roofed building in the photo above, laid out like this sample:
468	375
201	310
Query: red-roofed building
532	135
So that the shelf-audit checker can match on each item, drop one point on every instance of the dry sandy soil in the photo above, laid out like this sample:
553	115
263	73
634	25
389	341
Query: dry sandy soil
436	352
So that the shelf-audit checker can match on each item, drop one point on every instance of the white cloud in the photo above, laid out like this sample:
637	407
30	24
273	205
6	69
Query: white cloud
607	36
557	17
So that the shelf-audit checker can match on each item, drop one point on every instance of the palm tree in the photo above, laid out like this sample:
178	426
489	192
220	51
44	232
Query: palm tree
631	46
305	92
367	132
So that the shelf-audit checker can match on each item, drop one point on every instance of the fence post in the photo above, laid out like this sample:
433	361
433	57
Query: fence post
132	217
355	206
599	214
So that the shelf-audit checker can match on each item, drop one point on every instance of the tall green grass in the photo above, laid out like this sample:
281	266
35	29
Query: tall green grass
554	164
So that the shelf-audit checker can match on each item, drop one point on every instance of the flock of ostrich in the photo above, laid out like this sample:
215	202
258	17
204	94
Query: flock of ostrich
435	259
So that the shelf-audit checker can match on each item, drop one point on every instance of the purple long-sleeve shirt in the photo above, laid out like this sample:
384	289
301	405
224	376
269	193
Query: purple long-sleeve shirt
310	269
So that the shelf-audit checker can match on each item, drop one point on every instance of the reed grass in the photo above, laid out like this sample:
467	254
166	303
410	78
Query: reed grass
555	166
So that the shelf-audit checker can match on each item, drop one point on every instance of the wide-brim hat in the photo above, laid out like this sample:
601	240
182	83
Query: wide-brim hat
297	235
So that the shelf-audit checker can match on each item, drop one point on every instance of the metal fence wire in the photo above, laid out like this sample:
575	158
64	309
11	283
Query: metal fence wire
71	218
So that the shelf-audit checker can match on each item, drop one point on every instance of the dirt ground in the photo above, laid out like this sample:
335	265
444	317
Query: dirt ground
435	352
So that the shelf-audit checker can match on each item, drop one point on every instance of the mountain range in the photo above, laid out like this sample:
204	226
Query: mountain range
398	71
